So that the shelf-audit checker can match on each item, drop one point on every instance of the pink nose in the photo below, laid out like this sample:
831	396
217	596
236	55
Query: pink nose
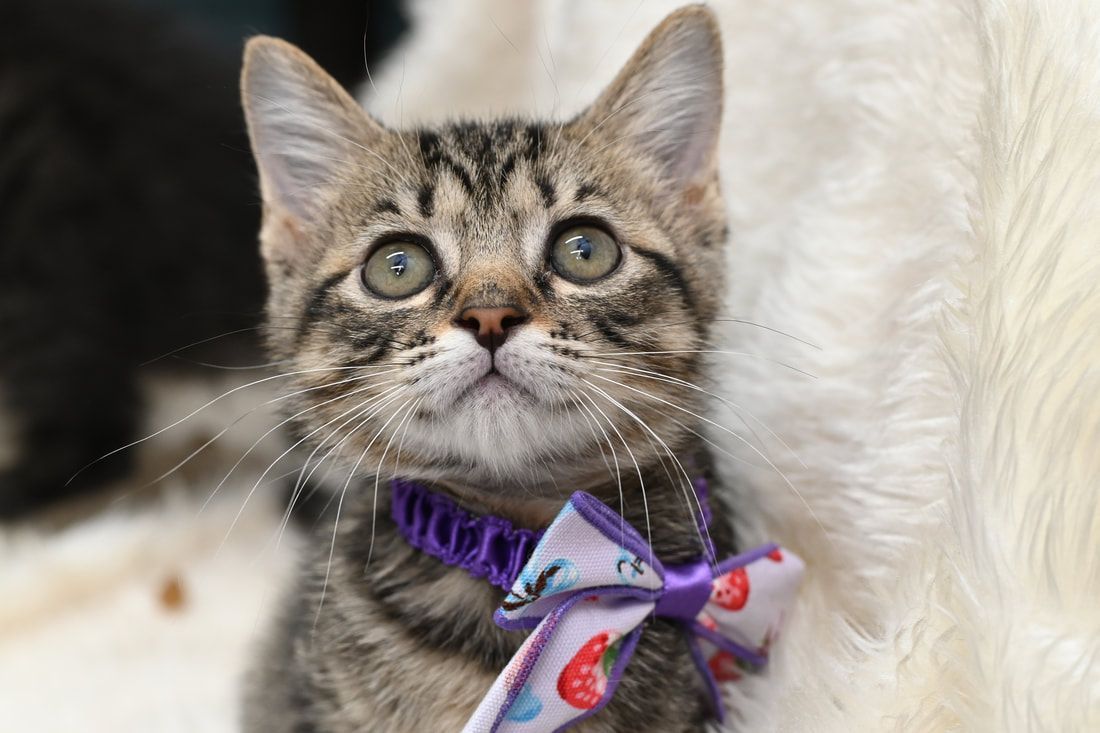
491	325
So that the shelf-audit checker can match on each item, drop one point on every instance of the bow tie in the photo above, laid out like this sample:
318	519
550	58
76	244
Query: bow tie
587	589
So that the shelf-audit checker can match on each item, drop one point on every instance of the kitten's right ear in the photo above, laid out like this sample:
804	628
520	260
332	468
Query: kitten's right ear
305	129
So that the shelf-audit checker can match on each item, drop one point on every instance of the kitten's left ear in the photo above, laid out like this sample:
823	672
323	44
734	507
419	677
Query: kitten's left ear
667	101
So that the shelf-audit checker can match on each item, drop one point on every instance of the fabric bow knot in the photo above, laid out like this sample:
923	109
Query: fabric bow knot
587	589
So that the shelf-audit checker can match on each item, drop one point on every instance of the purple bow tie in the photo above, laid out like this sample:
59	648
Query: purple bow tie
586	590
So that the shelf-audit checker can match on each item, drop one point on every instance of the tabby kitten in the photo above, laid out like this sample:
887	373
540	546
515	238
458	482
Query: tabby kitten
508	311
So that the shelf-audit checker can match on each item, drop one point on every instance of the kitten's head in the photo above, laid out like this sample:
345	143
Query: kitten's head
495	302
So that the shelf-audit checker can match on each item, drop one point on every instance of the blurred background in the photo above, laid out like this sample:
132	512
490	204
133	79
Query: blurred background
129	212
130	295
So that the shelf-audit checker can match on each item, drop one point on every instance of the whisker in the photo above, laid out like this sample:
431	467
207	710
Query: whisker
618	474
641	481
234	332
752	447
175	351
704	438
287	452
401	443
259	440
230	368
238	419
733	407
701	351
302	482
373	413
378	475
339	508
191	414
742	321
587	419
358	410
700	525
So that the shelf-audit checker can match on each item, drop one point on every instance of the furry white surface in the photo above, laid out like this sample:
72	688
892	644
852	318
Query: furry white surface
141	617
912	189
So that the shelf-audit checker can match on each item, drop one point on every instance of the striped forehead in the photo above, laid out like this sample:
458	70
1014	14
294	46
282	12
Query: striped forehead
486	192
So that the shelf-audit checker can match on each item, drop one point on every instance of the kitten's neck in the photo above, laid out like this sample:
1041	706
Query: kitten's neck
660	503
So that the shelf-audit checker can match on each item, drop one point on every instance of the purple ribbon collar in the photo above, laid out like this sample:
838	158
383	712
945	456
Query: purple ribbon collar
586	585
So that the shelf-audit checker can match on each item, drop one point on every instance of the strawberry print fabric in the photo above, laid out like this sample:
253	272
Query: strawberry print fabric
586	591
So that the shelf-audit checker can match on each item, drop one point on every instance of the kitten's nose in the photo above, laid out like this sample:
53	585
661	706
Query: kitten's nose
491	325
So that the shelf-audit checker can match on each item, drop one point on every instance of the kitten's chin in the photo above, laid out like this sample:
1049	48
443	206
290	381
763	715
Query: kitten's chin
500	433
492	394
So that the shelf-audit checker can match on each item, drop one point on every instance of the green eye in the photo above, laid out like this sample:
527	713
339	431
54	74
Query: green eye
585	254
398	270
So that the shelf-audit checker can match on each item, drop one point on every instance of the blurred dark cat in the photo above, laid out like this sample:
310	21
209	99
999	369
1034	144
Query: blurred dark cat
126	221
127	217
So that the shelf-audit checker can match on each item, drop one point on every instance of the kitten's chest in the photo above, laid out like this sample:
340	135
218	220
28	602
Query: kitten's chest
416	649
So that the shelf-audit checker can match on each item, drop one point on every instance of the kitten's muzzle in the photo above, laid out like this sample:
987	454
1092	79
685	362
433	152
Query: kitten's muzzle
491	326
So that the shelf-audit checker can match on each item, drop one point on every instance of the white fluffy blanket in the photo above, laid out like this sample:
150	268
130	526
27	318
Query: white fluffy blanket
913	189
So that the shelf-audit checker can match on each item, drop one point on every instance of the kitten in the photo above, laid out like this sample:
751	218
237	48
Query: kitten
507	311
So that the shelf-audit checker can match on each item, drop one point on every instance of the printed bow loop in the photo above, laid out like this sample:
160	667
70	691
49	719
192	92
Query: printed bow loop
586	591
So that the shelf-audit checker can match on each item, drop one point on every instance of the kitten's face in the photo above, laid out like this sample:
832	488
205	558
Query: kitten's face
503	285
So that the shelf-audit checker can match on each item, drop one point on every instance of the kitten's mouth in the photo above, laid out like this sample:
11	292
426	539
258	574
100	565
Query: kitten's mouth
492	384
493	380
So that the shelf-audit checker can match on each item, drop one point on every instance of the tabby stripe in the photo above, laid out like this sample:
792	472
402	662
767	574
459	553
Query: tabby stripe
425	200
610	333
549	193
387	206
671	272
316	302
